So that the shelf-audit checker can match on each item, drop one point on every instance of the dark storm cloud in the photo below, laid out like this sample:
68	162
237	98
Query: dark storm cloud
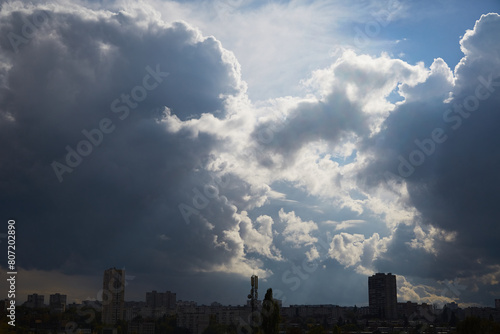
119	204
127	142
448	155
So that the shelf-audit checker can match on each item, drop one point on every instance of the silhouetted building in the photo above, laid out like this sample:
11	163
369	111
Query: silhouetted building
4	303
57	303
195	320
407	309
482	312
160	299
35	301
382	296
109	331
141	328
113	295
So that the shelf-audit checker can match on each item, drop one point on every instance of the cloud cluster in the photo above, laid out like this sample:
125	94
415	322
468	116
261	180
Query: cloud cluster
129	138
112	81
442	147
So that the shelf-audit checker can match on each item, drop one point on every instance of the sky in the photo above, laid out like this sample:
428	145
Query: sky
197	143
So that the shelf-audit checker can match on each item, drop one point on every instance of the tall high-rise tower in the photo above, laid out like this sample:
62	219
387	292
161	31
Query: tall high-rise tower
57	302
156	299
113	295
382	296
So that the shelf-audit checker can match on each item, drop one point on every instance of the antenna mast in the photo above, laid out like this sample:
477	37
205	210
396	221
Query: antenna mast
254	295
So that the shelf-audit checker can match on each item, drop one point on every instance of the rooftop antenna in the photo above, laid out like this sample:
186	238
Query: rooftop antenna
254	295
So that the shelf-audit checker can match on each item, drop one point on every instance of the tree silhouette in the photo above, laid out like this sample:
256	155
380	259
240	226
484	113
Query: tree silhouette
270	314
453	319
317	330
336	330
475	325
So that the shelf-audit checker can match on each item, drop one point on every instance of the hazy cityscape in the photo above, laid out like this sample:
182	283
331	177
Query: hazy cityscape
163	313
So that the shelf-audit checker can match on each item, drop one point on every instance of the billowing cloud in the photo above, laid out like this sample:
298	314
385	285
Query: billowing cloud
421	293
92	151
443	152
258	236
426	239
130	141
355	250
297	232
